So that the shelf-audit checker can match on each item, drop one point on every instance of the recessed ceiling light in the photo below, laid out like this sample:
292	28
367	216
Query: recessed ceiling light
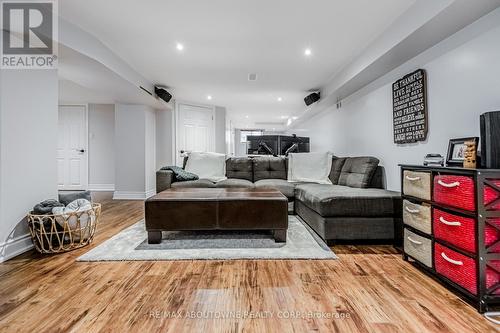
307	52
280	99
209	97
247	117
179	46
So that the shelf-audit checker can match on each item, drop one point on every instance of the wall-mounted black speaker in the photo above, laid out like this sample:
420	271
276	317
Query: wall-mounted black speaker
312	98
490	140
163	94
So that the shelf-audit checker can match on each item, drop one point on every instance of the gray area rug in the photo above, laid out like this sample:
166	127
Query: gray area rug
131	244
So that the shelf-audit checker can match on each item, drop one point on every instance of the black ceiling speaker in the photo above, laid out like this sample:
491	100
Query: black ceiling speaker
490	140
312	98
163	94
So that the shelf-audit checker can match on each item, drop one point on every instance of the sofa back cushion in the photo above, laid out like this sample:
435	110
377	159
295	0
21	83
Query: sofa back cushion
269	167
337	164
240	168
358	171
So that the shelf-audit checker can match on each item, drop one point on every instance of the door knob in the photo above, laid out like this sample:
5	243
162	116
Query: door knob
80	150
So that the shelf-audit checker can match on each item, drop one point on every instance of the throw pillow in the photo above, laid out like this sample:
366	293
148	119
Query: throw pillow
211	166
65	199
180	174
309	167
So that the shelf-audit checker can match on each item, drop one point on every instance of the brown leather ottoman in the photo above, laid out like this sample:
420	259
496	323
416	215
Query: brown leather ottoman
178	209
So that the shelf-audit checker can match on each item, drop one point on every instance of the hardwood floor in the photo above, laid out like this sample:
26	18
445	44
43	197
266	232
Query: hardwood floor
369	289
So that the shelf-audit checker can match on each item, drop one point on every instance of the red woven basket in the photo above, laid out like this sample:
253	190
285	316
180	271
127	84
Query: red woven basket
455	191
457	230
456	267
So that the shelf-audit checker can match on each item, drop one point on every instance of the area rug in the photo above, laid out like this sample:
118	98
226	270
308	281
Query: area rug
131	244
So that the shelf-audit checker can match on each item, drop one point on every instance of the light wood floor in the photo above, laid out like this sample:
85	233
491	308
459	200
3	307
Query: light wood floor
370	289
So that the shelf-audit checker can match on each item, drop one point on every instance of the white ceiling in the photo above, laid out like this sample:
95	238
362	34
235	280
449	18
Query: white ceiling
225	40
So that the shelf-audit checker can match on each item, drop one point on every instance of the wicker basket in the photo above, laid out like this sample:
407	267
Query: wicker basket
65	232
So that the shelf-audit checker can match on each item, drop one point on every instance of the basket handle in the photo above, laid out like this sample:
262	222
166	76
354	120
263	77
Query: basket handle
453	224
414	241
412	211
454	262
448	185
412	179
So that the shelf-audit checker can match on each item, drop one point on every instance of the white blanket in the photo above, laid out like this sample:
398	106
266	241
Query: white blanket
211	166
309	167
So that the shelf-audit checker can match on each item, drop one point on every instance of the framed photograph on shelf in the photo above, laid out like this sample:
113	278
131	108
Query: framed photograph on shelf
456	151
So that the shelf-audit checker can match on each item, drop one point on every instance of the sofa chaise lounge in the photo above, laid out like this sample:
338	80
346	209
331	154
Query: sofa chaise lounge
355	207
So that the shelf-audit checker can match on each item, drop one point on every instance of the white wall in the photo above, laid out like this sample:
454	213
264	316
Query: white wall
463	83
220	130
135	151
101	147
150	151
28	143
164	138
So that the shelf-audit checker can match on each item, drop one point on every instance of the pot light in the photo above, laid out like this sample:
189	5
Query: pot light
280	99
179	46
247	117
209	97
307	52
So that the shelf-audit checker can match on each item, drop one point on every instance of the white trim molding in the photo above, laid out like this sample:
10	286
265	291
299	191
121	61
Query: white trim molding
133	195
102	187
15	246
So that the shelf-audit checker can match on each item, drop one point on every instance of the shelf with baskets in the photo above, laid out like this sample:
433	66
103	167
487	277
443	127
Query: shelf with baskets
451	222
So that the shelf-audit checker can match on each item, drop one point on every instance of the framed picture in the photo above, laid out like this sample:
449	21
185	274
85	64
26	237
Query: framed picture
456	151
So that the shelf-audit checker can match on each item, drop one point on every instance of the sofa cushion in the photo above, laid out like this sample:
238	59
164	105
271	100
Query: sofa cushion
358	171
288	189
269	167
200	183
234	182
240	168
337	200
337	164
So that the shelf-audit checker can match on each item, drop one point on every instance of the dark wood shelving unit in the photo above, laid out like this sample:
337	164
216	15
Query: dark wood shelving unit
486	298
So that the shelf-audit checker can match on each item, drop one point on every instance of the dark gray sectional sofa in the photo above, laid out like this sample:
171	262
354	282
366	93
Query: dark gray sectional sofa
355	207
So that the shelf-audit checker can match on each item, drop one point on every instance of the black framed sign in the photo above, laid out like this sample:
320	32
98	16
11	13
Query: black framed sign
409	104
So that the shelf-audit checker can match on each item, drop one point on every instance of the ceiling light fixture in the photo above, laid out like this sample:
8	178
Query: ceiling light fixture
247	117
307	52
179	46
209	97
280	99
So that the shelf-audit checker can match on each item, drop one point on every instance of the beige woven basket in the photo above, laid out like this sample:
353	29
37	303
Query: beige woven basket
65	232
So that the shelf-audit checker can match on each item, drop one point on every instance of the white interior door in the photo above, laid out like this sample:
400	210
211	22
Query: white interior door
72	173
195	129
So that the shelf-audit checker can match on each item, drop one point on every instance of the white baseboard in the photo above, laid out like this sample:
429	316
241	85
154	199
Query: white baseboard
15	246
102	187
131	195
